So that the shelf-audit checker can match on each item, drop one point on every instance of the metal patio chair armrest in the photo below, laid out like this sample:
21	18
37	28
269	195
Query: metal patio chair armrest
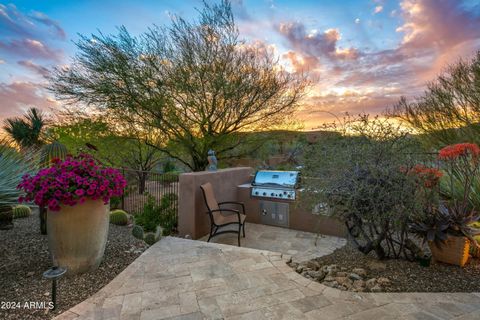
234	202
229	210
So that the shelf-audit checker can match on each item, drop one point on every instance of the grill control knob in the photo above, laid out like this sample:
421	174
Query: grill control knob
264	193
289	196
280	195
272	194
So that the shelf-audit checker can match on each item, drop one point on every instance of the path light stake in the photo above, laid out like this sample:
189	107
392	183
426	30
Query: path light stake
54	273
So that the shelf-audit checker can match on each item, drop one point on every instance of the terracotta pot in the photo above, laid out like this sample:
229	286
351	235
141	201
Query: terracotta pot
77	235
453	251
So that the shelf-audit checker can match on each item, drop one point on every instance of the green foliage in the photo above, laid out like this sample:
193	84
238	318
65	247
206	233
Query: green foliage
193	82
137	232
164	215
169	220
119	217
12	167
150	238
150	217
52	151
449	110
115	202
169	166
165	177
26	131
360	181
21	211
452	187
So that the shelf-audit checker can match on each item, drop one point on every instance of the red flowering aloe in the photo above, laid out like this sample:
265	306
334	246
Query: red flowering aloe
72	181
458	150
429	177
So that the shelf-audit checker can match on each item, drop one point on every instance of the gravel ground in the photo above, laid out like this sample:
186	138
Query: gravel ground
24	257
409	276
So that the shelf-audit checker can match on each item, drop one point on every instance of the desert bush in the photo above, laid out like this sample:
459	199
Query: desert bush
115	202
361	177
150	217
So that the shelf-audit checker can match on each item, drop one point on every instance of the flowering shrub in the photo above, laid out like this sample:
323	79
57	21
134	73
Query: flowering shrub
72	182
426	176
458	150
454	215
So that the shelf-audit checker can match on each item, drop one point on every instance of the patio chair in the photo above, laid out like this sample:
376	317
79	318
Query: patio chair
221	216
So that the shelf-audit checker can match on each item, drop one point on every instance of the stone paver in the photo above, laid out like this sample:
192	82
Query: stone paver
300	245
186	279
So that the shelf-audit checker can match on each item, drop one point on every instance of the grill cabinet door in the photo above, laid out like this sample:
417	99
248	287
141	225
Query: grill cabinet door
274	213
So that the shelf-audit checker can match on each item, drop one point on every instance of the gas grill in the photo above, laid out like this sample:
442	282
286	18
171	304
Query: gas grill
280	185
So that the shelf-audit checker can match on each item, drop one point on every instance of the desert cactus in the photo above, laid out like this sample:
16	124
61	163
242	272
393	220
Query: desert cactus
118	217
21	211
150	238
52	151
137	232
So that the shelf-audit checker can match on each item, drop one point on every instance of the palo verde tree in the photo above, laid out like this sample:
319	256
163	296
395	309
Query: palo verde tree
195	83
449	110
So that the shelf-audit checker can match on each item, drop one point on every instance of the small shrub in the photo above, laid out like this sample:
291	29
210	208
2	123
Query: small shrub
150	218
169	200
115	202
119	217
137	232
168	221
21	211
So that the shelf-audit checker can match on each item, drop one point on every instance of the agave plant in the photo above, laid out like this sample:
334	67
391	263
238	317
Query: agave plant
444	221
12	167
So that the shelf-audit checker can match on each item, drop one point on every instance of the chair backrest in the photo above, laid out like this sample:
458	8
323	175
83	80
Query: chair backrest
209	196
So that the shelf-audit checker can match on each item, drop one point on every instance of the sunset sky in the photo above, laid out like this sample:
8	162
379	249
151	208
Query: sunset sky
362	55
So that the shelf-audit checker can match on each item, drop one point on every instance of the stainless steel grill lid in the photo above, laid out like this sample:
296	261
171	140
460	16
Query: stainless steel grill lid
282	179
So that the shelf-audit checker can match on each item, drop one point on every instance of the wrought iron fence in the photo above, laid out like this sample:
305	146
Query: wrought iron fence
144	184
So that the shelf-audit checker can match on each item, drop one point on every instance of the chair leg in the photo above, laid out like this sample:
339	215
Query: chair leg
211	233
239	232
243	227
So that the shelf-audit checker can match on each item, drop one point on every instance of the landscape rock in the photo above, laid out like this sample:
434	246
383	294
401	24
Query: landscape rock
376	265
359	284
314	265
332	284
370	283
354	276
299	269
376	288
344	281
360	271
329	278
317	275
383	281
341	274
332	268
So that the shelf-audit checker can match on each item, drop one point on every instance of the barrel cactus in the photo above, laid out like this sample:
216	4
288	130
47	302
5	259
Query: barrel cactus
137	232
52	151
150	238
119	217
21	211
